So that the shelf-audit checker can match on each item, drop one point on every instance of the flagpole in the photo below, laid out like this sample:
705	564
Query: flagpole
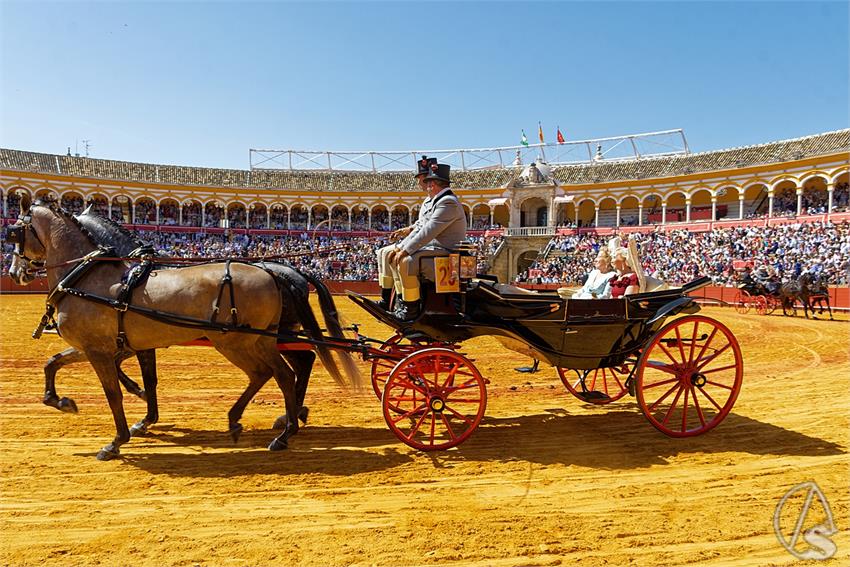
542	143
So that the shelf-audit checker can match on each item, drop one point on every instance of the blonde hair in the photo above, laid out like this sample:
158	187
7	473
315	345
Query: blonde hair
605	255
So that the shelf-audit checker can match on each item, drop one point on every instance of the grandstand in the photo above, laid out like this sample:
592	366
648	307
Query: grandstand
804	179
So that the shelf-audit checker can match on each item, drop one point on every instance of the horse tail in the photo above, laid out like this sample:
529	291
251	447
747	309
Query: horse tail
334	327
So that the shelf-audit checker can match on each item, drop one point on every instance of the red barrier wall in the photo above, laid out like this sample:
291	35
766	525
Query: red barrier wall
839	297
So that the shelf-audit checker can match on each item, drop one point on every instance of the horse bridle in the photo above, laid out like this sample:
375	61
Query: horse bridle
16	234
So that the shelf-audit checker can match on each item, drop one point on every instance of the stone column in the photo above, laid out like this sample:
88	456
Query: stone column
349	220
268	217
799	201
132	212
713	208
157	212
770	205
830	188
203	215
491	216
618	215
596	217
741	206
180	214
664	213
309	218
109	208
640	214
289	218
687	210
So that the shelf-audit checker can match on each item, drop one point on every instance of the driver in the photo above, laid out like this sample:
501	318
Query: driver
440	228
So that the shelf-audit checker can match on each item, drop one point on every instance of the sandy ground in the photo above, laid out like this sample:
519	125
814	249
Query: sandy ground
546	479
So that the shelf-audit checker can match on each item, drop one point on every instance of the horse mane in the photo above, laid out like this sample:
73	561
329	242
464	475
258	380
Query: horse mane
104	231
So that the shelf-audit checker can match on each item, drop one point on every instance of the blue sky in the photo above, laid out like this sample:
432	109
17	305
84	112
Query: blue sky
200	83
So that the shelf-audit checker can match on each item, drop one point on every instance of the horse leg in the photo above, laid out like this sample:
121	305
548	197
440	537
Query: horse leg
51	367
302	363
147	362
105	367
285	378
129	384
255	382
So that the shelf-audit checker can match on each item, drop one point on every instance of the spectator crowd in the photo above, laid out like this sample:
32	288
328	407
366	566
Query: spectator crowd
680	256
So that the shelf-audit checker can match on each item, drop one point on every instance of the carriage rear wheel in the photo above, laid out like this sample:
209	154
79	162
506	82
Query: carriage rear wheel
441	395
742	302
601	385
689	376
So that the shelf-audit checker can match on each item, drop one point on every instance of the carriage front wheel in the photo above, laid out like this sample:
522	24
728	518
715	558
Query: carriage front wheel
689	376
441	395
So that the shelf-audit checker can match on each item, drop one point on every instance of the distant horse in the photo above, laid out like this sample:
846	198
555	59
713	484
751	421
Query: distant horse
807	289
168	307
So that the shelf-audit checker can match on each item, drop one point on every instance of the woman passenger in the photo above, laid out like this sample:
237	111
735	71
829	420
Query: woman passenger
598	278
626	281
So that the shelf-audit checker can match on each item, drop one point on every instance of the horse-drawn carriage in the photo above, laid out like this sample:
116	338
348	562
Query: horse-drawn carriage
685	373
759	297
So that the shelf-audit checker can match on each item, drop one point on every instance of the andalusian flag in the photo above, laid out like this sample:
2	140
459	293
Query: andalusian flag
540	132
524	140
560	136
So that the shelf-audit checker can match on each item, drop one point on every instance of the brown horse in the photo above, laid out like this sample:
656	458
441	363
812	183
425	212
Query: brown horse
169	307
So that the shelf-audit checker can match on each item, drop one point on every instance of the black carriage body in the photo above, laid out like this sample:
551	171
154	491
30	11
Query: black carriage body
575	333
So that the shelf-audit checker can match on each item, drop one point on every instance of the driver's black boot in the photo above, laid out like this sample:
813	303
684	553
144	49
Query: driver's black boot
386	297
407	310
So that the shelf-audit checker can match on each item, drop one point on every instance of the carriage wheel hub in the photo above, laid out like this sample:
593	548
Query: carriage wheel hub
437	404
698	379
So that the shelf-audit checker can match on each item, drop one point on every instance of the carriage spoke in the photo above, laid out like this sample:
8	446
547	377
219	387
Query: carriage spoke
433	426
604	381
672	405
465	386
464	400
407	384
664	397
696	406
693	342
707	342
416	427
660	366
459	415
448	426
724	386
451	374
593	382
679	343
411	413
731	366
667	352
712	357
620	384
685	410
670	381
710	399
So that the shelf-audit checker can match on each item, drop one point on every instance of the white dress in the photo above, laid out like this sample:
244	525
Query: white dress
595	284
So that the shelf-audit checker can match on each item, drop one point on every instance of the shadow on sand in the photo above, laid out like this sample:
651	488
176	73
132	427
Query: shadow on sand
615	439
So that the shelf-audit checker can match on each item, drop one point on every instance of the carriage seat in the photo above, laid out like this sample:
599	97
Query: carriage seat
509	302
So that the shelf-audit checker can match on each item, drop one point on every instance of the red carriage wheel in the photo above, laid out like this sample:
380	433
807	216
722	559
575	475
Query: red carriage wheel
772	303
689	376
608	381
381	367
434	399
742	302
761	304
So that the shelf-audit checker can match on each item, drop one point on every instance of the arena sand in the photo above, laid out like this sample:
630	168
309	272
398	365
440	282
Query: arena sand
546	480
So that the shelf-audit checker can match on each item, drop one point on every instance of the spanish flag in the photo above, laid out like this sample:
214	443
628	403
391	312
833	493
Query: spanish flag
560	136
540	132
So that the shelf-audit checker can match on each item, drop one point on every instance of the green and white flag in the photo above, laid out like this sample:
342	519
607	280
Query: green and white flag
524	140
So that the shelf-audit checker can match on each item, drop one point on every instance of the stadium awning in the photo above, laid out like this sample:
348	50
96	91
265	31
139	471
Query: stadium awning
563	199
497	202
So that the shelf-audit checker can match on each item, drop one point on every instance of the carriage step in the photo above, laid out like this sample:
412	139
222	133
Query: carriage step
593	395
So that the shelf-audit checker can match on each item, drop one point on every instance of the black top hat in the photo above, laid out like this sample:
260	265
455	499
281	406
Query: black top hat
439	171
424	165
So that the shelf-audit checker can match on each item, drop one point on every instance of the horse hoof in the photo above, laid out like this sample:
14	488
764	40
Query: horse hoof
107	454
139	430
235	431
67	405
303	414
278	445
280	423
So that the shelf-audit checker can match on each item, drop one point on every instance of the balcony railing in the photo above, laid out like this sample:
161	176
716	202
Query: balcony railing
531	231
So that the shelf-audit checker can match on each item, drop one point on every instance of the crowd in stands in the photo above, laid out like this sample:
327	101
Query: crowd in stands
679	256
340	257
